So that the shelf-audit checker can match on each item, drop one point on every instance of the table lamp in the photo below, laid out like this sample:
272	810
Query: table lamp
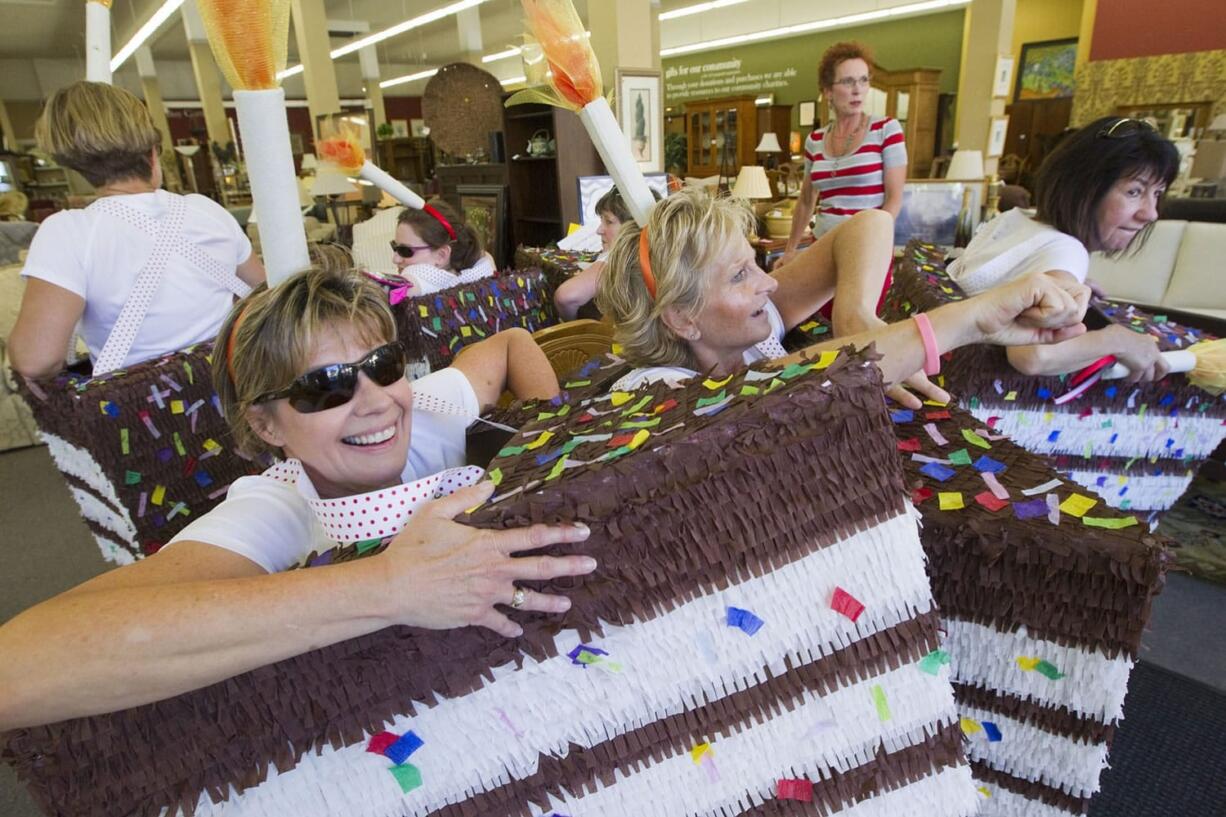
769	144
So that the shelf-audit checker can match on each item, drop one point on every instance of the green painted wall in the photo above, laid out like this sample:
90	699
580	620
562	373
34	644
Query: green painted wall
788	67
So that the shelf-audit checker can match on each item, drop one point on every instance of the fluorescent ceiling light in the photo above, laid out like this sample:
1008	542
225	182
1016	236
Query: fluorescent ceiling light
513	51
388	83
817	25
138	39
407	25
513	80
289	72
697	9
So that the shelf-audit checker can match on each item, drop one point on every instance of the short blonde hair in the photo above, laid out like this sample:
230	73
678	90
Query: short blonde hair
686	233
267	339
104	133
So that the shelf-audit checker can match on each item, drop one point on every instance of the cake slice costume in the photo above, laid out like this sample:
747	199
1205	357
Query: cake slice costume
748	641
1135	446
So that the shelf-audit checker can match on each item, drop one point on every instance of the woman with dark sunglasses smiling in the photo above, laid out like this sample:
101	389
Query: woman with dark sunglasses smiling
435	249
309	370
1098	191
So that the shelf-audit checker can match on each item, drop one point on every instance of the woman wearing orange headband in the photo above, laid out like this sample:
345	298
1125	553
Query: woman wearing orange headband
686	296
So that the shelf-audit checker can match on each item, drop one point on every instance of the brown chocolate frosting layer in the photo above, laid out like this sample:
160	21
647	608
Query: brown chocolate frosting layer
582	767
93	414
827	431
1058	720
1069	583
1030	790
921	284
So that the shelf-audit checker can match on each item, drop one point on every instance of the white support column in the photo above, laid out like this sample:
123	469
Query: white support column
157	110
468	24
368	59
208	76
98	41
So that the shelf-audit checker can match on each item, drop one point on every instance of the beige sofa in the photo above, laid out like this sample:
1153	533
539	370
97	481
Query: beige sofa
1179	268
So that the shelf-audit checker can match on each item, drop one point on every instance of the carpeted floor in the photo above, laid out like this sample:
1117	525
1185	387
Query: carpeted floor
1198	523
1168	757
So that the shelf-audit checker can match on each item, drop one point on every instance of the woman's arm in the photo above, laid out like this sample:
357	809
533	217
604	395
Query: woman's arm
800	221
1038	308
577	290
508	360
251	272
894	179
194	614
1137	351
39	341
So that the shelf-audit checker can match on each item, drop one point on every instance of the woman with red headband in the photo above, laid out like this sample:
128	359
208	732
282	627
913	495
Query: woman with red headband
312	372
686	297
435	249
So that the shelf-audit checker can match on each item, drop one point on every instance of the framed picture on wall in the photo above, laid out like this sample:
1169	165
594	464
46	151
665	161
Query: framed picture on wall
417	127
640	113
484	207
593	188
807	113
400	128
1003	79
1046	70
997	130
930	209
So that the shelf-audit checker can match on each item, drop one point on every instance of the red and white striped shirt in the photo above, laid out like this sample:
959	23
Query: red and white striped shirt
858	181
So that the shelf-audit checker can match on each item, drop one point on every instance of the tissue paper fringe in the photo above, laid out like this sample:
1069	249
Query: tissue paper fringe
1014	797
85	423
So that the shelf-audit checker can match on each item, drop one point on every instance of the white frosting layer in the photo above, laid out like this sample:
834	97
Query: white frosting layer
1033	754
1108	434
79	463
1004	803
1093	684
665	665
1135	492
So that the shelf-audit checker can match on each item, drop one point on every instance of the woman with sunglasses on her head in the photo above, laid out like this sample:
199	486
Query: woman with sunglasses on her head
857	161
85	264
309	370
435	249
1098	191
686	297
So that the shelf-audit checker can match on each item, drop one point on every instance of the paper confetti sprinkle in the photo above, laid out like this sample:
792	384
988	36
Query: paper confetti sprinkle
969	726
933	661
1051	484
988	465
937	437
989	500
794	789
918	495
999	491
847	604
408	776
403	748
951	500
879	701
1077	505
937	471
1111	524
1031	509
960	457
1039	665
911	444
379	743
974	439
744	620
992	730
696	754
902	415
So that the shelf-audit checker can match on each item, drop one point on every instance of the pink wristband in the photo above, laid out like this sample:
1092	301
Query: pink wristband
932	357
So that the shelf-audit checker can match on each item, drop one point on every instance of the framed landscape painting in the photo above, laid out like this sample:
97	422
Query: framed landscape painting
1047	70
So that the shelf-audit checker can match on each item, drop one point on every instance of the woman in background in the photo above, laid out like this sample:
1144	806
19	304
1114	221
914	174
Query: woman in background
84	265
435	249
581	287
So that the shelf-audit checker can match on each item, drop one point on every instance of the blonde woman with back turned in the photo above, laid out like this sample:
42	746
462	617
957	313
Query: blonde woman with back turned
186	253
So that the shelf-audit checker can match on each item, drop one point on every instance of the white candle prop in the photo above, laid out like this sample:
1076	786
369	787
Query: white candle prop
98	41
383	180
270	166
610	143
1178	361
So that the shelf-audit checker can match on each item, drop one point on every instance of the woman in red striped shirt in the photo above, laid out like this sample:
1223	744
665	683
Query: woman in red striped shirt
857	162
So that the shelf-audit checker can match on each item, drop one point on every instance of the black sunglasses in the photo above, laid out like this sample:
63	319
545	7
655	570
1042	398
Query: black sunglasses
408	250
334	385
1123	128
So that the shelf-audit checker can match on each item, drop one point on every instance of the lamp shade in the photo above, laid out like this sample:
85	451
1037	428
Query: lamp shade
187	150
309	162
966	164
751	183
769	143
332	184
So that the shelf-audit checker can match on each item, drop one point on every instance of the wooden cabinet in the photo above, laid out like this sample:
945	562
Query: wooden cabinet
721	135
544	189
409	159
1034	125
911	97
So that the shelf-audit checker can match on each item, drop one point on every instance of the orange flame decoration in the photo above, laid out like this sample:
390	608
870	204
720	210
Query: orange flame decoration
341	149
249	38
575	80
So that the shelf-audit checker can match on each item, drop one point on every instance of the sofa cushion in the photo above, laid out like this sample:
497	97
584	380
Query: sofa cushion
1197	281
1141	277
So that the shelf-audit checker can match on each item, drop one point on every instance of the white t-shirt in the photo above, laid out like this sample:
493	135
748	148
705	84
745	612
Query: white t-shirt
269	521
1012	245
98	257
767	349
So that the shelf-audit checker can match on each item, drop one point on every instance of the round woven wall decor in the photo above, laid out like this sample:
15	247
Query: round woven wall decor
462	105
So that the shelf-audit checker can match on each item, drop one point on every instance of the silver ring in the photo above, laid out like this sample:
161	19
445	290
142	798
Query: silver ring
518	598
